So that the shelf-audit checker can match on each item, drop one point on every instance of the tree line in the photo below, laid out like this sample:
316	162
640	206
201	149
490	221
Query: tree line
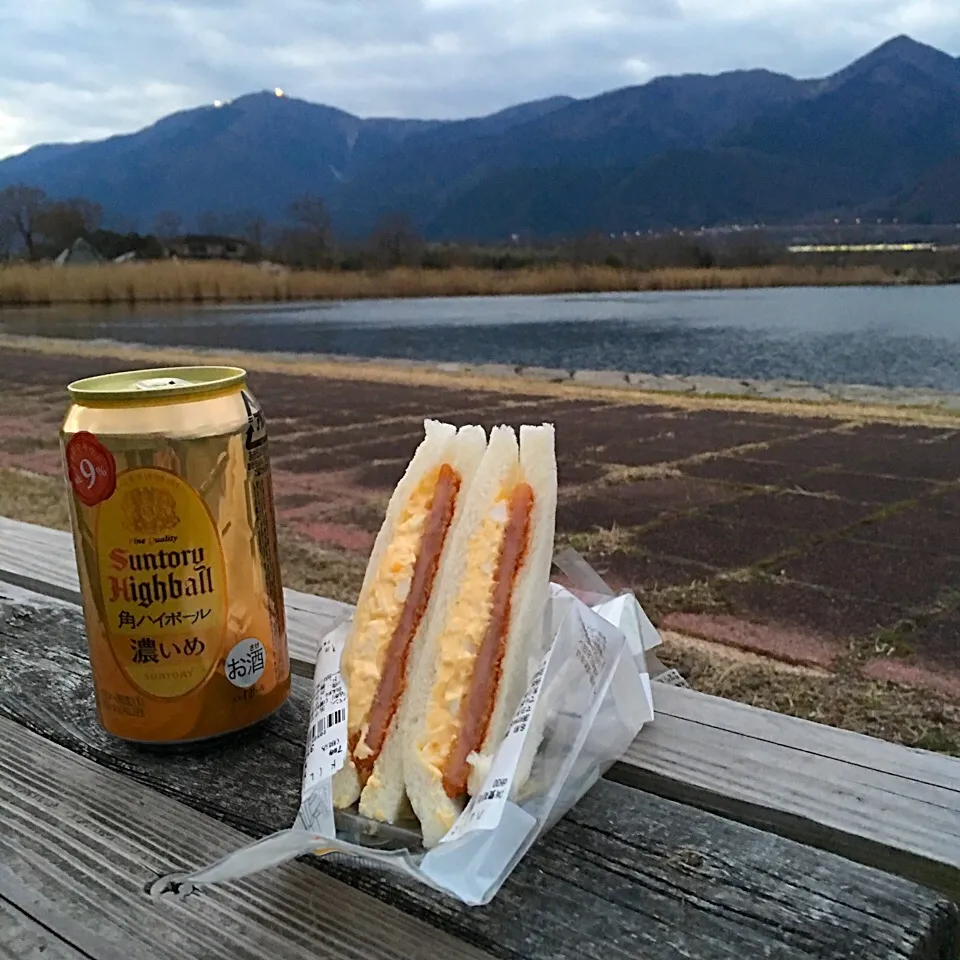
36	226
33	220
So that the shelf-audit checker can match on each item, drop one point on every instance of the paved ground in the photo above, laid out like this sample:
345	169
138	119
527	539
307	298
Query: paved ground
832	544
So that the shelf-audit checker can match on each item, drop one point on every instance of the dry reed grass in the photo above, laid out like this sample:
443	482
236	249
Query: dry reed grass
192	282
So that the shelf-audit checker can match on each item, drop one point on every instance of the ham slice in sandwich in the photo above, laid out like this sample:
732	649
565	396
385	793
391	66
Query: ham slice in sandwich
394	610
486	627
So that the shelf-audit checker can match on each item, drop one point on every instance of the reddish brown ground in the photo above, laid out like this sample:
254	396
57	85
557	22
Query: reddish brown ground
825	542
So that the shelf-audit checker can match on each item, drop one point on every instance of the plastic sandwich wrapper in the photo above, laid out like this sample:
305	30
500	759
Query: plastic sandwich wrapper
588	697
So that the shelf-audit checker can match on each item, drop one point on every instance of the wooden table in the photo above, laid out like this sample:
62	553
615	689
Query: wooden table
716	837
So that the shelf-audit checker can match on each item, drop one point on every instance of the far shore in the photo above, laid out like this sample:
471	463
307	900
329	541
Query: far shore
169	281
786	397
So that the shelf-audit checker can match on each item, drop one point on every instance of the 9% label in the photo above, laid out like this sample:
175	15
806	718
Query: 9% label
91	469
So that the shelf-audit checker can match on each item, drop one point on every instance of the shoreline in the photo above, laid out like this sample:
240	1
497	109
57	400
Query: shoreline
872	402
200	282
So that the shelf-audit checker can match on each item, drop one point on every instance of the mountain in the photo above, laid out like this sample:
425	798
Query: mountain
863	136
208	159
624	128
889	116
253	154
681	187
895	53
689	150
867	133
934	199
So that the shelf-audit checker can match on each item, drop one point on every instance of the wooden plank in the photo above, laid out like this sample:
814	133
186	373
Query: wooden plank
308	619
79	856
626	874
876	802
23	938
845	801
806	736
66	934
38	558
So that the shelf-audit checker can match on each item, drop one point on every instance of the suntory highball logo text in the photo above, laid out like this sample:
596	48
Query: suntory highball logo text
176	574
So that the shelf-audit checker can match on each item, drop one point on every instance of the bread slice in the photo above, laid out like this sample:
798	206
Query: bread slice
364	656
444	664
528	634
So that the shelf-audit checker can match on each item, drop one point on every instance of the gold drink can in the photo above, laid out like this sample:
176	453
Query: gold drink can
171	502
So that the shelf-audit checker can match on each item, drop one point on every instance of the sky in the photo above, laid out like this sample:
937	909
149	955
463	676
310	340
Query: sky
86	69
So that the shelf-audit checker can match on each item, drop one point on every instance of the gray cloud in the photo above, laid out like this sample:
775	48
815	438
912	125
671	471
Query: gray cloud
80	69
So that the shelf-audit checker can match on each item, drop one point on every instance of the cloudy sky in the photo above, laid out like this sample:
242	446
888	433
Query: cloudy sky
82	69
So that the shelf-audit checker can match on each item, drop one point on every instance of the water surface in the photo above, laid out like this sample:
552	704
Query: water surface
889	336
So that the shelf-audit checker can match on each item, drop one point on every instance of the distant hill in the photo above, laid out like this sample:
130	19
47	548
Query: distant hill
934	199
864	136
881	134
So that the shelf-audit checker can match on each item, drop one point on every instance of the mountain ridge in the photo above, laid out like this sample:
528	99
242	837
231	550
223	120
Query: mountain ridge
686	150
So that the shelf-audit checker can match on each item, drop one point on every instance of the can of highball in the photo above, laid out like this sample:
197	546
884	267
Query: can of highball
171	501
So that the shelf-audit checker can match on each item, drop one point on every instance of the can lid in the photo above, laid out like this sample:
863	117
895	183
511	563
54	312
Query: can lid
144	386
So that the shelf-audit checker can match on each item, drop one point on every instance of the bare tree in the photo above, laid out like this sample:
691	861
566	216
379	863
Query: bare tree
166	225
395	242
19	208
308	244
7	233
60	222
87	211
254	228
213	223
245	223
310	212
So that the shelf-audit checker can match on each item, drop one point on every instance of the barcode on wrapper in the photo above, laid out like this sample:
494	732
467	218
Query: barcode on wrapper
320	727
327	733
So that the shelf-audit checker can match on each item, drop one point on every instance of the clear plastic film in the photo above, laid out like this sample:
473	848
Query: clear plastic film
587	698
622	608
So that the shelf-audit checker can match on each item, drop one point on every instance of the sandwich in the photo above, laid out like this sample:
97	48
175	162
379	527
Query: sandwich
394	609
486	629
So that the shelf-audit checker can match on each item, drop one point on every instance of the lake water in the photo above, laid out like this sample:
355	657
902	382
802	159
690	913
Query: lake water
904	336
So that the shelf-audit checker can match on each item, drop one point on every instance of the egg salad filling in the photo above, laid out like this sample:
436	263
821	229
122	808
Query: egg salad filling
377	618
461	702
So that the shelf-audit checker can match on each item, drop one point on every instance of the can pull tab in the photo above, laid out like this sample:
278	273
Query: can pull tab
158	383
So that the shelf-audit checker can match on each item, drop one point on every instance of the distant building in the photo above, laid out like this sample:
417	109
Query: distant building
860	247
197	246
79	252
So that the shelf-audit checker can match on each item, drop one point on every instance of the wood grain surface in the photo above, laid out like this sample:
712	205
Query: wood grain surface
23	938
80	844
875	802
626	874
878	803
